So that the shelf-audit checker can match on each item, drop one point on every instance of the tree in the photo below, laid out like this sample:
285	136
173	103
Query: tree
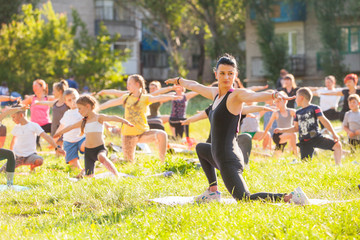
40	44
10	8
273	48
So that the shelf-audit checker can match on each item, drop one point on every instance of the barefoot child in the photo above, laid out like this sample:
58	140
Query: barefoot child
284	119
136	104
24	141
73	142
306	122
93	127
351	123
8	154
58	106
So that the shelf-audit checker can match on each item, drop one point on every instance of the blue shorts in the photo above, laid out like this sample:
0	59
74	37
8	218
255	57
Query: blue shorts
72	150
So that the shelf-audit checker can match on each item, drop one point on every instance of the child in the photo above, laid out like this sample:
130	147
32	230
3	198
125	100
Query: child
24	141
136	104
93	127
40	114
351	123
284	119
306	122
250	125
8	154
58	106
178	112
2	127
73	142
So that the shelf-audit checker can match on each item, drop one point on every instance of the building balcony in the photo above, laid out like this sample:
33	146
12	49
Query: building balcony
126	29
283	11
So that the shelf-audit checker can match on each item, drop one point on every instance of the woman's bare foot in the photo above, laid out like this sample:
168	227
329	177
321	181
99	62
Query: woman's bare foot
287	198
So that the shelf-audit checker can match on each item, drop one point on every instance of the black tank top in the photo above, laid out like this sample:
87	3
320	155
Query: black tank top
224	128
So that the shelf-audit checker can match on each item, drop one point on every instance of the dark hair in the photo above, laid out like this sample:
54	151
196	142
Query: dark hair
305	92
226	59
83	100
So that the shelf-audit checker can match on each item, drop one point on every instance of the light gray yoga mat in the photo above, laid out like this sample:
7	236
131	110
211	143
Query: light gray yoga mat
16	188
176	200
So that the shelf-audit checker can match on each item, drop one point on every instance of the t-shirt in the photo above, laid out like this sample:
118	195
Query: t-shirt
136	114
25	142
40	114
352	121
327	101
307	119
154	109
71	117
178	109
250	124
346	94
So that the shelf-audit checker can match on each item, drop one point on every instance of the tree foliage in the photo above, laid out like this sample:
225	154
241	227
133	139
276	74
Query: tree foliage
40	44
273	48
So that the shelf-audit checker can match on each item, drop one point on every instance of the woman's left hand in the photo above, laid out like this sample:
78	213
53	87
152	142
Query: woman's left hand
280	95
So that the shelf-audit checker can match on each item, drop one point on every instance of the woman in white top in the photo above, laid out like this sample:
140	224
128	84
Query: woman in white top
328	103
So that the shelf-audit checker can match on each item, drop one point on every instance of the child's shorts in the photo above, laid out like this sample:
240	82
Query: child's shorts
252	134
72	150
276	139
307	147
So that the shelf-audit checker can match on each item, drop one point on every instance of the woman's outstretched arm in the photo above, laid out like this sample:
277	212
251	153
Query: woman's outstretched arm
207	92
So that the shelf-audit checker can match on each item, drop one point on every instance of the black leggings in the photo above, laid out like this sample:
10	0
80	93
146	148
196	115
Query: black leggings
10	156
91	156
47	129
231	172
179	129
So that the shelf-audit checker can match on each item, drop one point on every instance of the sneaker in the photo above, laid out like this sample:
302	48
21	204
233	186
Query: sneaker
299	197
208	196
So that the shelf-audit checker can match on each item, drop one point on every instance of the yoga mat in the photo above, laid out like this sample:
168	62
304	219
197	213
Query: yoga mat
16	188
177	200
110	175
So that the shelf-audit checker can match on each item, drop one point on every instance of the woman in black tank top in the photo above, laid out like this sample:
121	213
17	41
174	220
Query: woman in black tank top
224	153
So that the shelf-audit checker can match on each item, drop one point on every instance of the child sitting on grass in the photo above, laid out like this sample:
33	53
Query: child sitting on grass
24	141
306	122
351	123
284	119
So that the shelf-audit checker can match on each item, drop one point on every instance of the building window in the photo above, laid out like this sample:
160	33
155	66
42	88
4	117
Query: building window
127	47
350	39
114	10
291	39
154	59
195	59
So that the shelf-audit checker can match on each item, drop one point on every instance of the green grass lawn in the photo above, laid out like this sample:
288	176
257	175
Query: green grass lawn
56	208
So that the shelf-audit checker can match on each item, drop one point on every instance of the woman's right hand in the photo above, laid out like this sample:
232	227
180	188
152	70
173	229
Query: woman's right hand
185	122
277	130
171	81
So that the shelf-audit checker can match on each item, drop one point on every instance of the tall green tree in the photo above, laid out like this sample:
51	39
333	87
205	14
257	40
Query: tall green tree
164	20
273	48
41	44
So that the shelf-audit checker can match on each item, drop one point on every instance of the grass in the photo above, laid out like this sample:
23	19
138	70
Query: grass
56	208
